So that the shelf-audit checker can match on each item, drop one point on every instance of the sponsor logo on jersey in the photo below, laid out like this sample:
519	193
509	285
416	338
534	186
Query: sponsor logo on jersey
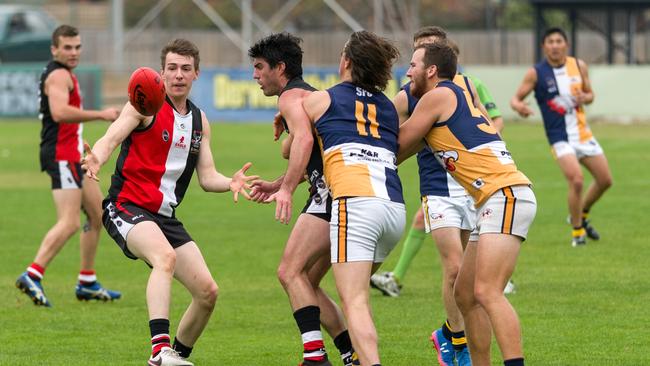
478	183
165	135
181	143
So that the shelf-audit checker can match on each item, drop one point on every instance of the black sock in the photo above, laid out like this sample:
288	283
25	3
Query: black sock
158	326
159	335
514	362
182	349
446	331
458	340
343	342
308	318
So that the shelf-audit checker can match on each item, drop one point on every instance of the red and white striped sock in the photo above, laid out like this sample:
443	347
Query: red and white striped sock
158	342
313	346
87	277
35	272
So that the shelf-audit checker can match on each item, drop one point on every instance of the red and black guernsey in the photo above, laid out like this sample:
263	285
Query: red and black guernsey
59	141
156	163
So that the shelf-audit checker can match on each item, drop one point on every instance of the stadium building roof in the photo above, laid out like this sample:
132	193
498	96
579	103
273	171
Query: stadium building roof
606	7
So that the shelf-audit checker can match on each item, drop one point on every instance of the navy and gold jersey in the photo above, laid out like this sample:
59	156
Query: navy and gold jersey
471	150
358	139
564	119
434	180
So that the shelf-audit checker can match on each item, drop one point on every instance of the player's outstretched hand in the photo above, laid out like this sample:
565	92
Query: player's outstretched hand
240	182
89	163
278	126
283	206
263	191
110	114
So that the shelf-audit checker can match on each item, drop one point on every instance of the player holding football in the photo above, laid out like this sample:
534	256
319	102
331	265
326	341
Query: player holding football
562	89
61	114
277	63
461	136
158	156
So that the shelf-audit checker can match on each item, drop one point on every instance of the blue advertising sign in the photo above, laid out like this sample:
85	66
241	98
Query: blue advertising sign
232	95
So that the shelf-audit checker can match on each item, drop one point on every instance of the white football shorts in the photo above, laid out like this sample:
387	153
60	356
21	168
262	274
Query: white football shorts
509	210
442	212
590	147
365	228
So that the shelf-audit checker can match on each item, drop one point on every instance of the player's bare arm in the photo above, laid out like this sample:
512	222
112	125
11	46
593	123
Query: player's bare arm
210	179
527	85
586	94
436	105
316	105
57	87
128	120
401	103
290	107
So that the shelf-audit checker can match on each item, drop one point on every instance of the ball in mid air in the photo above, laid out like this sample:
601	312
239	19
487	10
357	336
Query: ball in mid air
146	91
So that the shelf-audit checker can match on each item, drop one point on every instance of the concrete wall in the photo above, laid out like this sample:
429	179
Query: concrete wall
621	92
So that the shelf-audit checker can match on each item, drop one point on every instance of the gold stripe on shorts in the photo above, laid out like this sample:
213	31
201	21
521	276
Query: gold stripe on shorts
508	211
425	205
343	232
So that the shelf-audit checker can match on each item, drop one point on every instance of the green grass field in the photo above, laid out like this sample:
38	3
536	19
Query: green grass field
578	306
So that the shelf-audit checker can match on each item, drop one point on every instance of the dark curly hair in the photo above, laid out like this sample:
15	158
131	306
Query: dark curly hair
280	47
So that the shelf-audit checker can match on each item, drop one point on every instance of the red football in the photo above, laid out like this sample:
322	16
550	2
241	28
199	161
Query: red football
146	91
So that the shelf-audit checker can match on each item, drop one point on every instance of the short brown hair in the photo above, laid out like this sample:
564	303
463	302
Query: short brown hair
430	31
443	56
63	31
372	59
454	46
181	47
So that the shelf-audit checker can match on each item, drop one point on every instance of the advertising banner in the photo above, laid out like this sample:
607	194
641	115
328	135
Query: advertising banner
232	95
19	88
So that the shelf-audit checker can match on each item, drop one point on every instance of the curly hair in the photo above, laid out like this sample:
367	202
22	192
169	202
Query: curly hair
372	59
280	47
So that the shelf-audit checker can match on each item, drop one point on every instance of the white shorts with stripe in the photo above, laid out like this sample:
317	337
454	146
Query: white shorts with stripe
509	210
442	212
581	150
365	228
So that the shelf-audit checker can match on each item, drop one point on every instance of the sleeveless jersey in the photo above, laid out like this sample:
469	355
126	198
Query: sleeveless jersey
555	93
358	138
315	163
471	150
155	164
434	180
59	141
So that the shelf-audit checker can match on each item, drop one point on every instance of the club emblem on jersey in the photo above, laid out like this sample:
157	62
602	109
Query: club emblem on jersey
165	135
195	144
551	87
486	213
447	159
